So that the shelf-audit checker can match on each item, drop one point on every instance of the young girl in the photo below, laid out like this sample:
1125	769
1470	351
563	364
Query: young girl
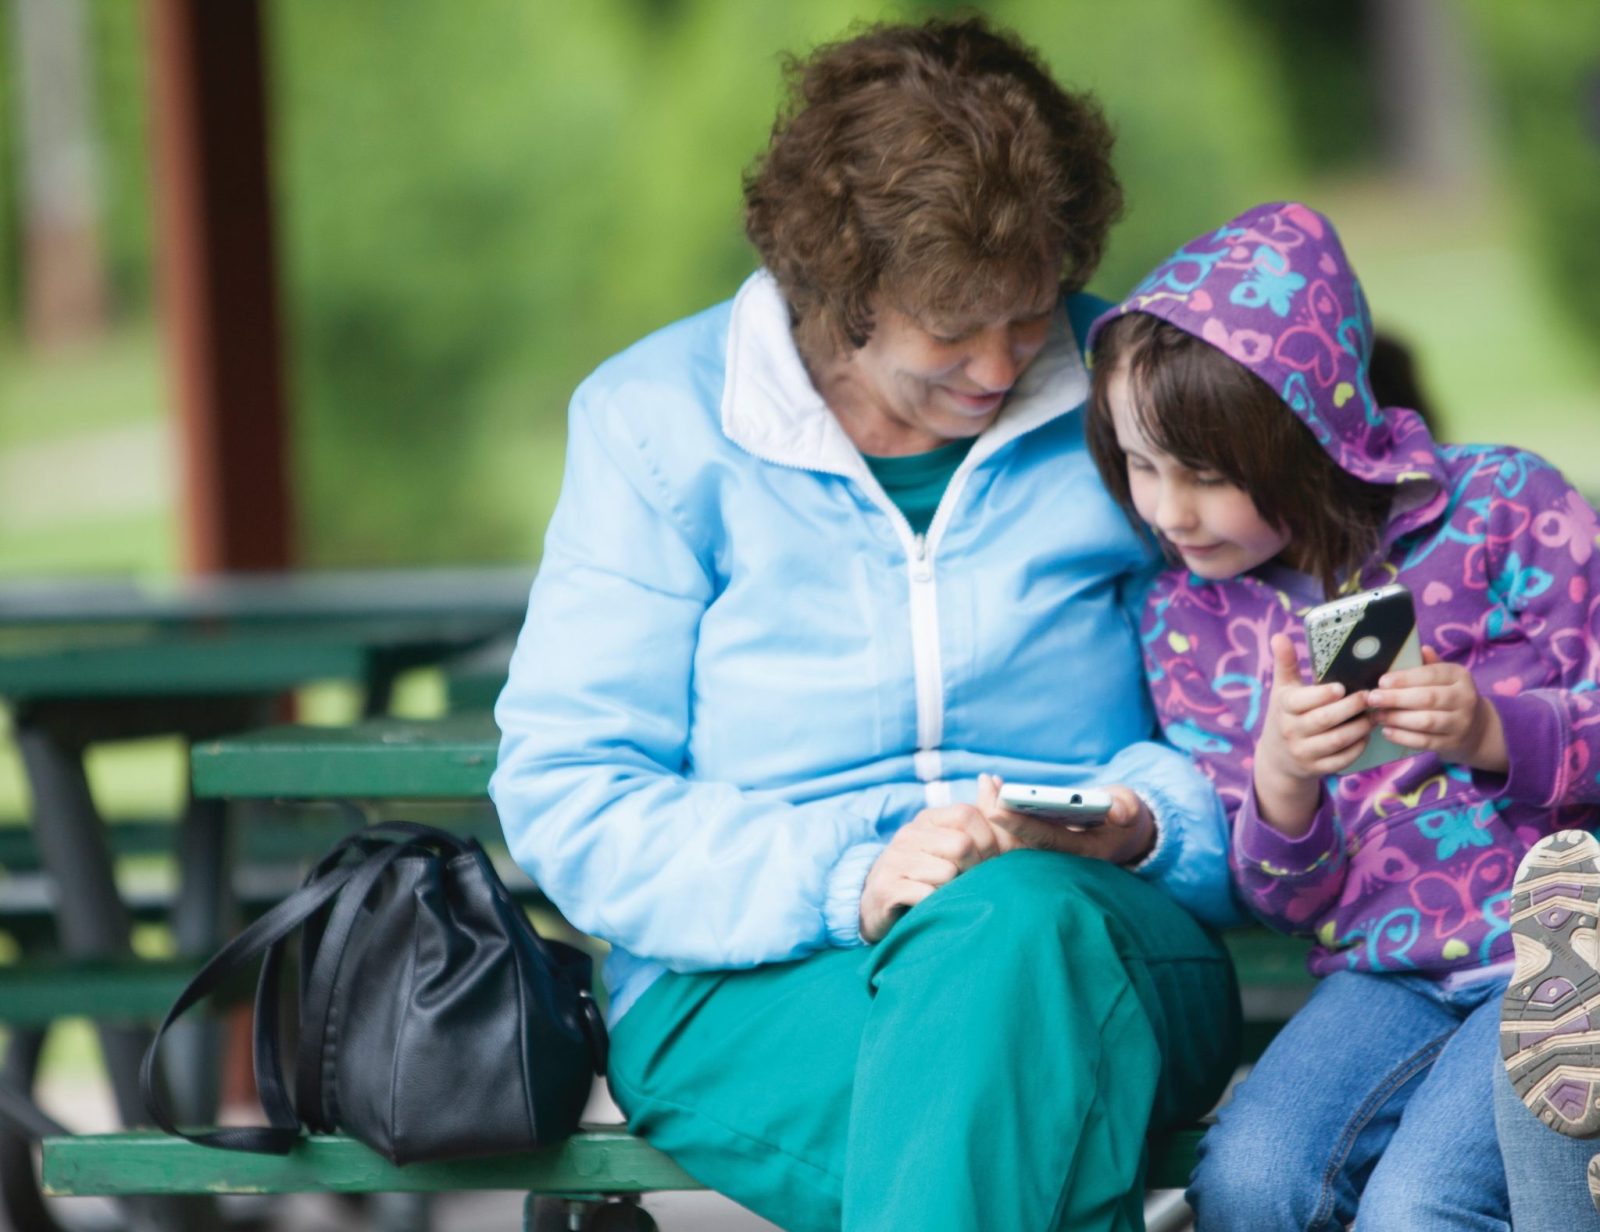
1232	413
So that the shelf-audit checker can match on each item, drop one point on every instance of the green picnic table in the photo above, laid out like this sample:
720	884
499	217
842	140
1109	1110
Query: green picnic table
92	661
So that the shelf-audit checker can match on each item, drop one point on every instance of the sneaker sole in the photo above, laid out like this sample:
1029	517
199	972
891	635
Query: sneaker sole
1550	1017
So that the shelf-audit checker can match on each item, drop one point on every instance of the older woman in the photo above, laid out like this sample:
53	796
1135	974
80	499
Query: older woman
824	553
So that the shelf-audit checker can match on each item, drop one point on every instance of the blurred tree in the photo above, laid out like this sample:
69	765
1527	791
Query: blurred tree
1545	55
120	44
62	272
1321	66
10	242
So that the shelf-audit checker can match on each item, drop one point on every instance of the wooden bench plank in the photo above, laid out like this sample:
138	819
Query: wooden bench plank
37	991
597	1160
123	664
422	759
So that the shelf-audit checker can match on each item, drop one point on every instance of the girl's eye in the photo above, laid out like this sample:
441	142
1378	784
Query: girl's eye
1136	463
1212	481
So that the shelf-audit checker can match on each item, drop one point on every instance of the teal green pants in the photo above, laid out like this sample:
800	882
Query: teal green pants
994	1062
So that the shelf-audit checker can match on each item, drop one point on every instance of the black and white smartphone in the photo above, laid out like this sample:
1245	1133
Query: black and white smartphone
1073	806
1354	641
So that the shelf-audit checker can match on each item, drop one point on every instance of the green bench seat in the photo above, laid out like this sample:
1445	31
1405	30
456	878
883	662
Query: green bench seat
34	992
386	760
597	1160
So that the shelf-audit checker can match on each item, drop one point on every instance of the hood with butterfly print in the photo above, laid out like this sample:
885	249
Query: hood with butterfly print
1274	290
1408	866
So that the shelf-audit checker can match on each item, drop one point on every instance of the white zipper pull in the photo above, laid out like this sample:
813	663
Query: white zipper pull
919	547
921	570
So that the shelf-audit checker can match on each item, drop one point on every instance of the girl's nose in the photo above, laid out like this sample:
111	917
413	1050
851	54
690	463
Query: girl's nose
1174	511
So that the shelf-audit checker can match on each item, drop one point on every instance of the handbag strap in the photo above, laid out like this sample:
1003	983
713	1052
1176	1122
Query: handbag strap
378	846
317	1003
262	936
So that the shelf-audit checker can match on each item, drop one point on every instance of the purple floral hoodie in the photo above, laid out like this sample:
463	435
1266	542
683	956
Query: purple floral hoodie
1408	866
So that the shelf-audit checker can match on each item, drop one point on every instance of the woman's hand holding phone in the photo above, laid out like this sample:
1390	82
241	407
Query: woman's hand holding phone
933	848
1437	706
1126	835
1310	731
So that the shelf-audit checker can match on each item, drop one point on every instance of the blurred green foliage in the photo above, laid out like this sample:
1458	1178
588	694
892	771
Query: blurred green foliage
478	203
10	206
1545	55
477	212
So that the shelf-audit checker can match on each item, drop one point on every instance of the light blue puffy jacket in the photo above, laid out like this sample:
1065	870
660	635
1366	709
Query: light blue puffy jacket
741	671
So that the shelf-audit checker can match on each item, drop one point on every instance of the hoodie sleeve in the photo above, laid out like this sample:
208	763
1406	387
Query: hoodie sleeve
1541	571
1210	667
590	784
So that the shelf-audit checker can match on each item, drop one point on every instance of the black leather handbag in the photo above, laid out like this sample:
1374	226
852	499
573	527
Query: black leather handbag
434	1022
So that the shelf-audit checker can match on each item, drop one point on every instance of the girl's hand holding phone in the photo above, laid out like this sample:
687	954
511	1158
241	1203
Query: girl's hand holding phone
1438	707
1310	731
1125	837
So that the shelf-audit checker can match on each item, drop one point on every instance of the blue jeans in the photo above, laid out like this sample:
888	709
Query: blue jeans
1376	1098
1546	1172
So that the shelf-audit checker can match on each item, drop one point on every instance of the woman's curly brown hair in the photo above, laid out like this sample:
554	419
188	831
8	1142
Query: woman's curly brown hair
937	166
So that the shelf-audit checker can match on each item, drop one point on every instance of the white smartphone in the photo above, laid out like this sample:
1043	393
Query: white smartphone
1074	806
1356	640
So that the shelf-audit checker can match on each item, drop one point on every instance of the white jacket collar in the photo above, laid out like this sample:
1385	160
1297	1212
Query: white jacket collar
771	409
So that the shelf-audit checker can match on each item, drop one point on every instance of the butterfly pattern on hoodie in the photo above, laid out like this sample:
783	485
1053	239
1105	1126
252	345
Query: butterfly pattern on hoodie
1408	866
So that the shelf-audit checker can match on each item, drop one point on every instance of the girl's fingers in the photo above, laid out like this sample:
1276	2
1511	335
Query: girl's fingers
1285	662
1418	697
1303	699
1325	718
1421	721
1342	739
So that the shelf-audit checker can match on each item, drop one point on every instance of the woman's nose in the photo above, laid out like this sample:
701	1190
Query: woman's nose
995	363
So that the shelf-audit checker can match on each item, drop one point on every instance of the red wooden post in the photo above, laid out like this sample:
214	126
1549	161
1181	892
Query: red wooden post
218	281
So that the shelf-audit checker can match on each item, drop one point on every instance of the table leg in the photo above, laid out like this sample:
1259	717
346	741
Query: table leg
91	919
202	916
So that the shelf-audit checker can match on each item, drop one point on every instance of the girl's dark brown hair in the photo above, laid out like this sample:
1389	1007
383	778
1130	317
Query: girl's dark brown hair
1211	413
937	166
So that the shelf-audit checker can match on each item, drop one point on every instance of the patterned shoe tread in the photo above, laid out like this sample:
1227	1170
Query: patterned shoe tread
1594	1181
1550	1017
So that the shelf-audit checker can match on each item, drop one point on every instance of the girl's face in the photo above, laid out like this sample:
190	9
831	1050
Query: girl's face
1211	521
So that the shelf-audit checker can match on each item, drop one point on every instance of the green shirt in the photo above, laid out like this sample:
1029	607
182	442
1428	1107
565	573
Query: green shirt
916	481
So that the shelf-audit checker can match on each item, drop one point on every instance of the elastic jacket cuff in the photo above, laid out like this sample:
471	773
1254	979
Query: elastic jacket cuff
1535	735
842	909
1275	853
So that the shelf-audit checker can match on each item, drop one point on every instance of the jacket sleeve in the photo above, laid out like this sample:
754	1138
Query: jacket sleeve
1190	858
1289	883
1541	572
591	785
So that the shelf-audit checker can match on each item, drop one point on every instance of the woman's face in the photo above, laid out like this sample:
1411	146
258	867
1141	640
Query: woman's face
921	383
